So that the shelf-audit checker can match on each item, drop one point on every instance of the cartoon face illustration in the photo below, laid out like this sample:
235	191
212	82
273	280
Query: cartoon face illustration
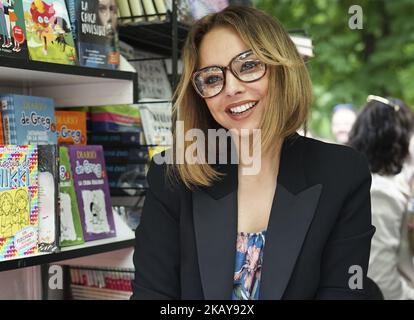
21	200
6	203
42	13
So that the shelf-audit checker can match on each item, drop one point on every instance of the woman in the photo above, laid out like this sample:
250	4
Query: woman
382	132
299	227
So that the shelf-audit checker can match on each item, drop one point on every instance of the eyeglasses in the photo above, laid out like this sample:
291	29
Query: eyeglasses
389	103
210	81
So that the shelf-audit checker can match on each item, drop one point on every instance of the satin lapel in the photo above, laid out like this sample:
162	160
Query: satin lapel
289	221
215	224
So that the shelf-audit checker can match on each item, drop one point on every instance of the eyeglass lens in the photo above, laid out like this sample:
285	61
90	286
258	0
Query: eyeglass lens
246	67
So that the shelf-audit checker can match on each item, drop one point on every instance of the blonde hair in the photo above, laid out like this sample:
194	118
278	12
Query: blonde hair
289	94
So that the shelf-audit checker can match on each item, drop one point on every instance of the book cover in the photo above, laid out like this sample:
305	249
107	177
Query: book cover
95	28
49	226
156	122
92	190
12	30
116	118
71	127
1	129
18	201
28	119
70	223
116	154
117	138
48	31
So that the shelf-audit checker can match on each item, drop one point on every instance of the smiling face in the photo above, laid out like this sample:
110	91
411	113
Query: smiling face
240	105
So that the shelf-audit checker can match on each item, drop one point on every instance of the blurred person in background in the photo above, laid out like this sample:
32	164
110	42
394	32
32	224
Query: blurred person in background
343	117
383	131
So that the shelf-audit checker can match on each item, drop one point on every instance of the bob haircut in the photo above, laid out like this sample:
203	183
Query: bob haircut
383	135
289	94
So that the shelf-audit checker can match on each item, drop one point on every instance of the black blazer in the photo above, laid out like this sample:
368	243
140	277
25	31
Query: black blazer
319	227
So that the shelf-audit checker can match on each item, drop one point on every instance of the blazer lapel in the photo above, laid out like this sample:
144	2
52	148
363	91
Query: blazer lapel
215	224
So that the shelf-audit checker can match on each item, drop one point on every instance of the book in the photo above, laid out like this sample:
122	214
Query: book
124	11
92	190
156	122
48	32
153	80
71	127
70	223
95	30
12	30
117	154
49	209
303	45
19	208
132	139
116	118
28	119
1	129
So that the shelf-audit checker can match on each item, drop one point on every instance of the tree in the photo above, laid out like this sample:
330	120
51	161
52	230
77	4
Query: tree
351	64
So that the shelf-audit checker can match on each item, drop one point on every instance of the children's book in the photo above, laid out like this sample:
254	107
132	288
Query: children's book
28	119
12	30
71	127
48	31
49	226
19	207
92	190
70	224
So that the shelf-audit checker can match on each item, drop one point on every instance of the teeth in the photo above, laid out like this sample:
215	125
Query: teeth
243	107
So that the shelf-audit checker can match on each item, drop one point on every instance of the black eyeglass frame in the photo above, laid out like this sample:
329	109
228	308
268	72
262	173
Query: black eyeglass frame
223	70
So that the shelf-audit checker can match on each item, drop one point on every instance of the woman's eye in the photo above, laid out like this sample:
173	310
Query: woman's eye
249	65
212	80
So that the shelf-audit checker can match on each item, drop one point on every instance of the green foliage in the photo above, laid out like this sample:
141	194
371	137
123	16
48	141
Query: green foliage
351	64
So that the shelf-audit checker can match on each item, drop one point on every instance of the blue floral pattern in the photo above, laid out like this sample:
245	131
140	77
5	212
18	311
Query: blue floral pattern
248	267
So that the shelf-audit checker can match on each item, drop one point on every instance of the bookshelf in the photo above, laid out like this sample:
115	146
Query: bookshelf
68	85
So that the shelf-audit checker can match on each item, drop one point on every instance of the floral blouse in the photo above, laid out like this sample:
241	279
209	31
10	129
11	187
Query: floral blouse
249	257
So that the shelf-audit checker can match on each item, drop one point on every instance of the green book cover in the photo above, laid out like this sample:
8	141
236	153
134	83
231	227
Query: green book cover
70	224
48	31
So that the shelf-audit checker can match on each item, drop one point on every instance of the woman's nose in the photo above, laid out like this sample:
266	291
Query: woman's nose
233	85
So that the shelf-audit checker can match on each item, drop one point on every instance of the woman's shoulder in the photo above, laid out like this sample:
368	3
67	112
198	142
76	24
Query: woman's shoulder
334	159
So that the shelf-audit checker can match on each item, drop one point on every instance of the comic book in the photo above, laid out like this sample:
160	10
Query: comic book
12	30
70	224
18	201
28	119
92	191
49	226
48	31
71	127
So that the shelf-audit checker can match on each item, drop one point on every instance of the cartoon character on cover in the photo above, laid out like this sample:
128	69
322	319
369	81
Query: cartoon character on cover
4	25
43	16
6	208
13	20
22	209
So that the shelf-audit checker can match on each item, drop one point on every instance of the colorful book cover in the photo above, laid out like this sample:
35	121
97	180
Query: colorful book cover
116	118
12	29
71	127
49	225
70	223
28	119
94	23
92	190
48	31
18	201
